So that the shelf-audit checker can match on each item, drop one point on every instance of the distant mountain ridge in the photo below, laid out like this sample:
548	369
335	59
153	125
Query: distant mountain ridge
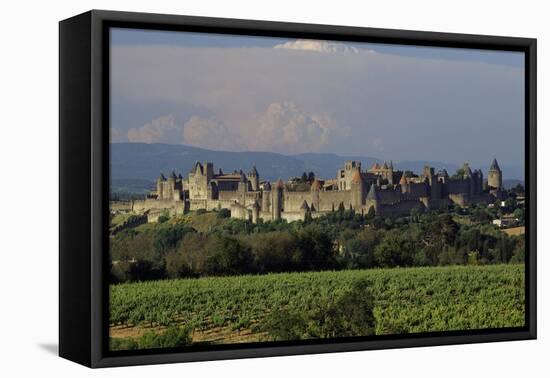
146	161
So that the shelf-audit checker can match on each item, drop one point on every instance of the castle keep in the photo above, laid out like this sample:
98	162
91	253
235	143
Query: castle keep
388	192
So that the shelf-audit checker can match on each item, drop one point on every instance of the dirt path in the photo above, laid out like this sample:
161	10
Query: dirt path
217	335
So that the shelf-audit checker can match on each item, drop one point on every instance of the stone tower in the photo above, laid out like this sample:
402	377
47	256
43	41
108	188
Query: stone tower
242	188
494	178
404	184
160	183
428	174
315	190
373	199
255	212
344	175
277	199
390	173
266	197
254	179
477	178
468	175
357	190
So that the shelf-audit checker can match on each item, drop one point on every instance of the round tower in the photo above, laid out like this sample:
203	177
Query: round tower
373	199
315	196
277	200
169	190
266	194
254	179
242	188
160	182
255	212
357	190
494	177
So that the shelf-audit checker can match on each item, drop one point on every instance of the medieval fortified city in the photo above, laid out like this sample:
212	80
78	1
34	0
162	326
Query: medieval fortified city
274	190
312	191
381	188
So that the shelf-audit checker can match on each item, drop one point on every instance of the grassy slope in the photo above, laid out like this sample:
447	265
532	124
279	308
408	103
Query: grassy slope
200	222
406	300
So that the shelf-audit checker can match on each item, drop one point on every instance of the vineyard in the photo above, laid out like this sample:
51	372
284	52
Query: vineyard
405	300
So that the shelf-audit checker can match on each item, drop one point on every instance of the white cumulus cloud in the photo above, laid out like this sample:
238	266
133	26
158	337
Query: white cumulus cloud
285	127
210	133
164	129
320	46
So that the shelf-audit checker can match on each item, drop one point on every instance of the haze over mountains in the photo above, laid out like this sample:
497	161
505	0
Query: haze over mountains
140	161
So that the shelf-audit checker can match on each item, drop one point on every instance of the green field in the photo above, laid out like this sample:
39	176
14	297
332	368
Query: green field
405	300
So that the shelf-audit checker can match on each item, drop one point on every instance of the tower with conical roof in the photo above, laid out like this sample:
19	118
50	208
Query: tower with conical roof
254	179
389	174
494	177
373	199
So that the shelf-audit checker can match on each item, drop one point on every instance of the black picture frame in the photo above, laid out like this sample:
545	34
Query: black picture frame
84	183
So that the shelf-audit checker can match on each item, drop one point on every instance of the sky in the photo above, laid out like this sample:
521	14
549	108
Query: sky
290	96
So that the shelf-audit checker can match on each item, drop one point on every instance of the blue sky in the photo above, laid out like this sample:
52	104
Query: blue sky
290	96
138	37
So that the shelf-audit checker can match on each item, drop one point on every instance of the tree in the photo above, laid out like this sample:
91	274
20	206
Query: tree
316	248
143	270
304	177
341	208
168	238
520	215
415	213
191	256
395	249
359	250
274	251
371	213
311	177
518	189
228	256
510	203
459	173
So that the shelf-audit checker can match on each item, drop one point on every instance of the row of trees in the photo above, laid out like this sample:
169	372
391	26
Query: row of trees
340	240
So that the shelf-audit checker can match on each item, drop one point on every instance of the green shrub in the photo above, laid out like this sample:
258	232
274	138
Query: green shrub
122	344
165	216
172	337
224	213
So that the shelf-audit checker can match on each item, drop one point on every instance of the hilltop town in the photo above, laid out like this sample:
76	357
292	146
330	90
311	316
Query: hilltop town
380	189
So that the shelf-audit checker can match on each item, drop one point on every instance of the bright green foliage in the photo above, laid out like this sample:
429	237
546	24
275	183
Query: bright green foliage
404	300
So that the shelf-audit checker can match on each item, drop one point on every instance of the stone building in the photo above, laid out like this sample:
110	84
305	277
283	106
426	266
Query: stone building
387	191
494	180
